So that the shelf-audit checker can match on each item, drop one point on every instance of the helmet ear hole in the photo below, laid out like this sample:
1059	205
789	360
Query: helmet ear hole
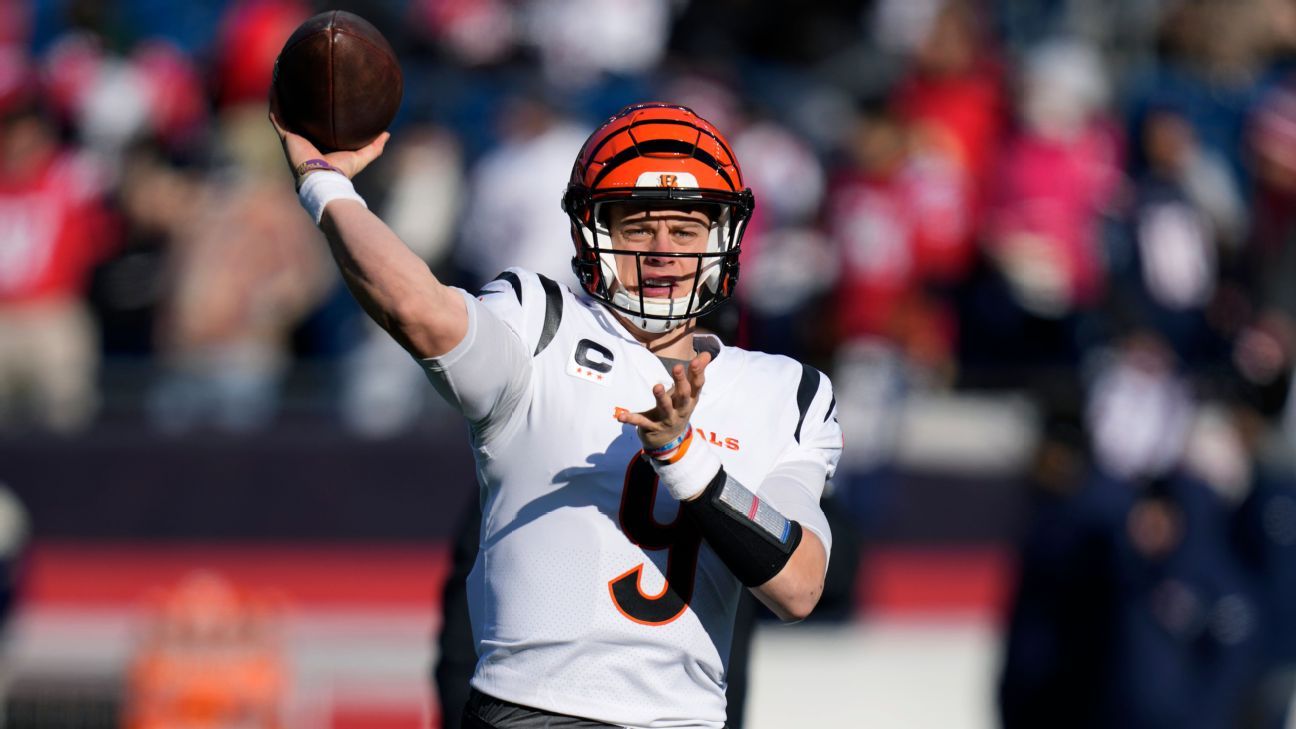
575	199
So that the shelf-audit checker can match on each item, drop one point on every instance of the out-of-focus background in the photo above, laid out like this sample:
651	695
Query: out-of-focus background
1045	249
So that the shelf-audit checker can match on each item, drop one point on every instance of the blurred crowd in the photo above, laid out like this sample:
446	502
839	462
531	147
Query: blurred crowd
965	193
1092	203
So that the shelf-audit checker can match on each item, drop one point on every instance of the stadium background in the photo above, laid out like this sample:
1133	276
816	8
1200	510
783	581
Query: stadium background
1043	248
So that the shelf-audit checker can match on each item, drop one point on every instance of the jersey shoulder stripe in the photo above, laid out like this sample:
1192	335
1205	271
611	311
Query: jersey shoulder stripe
535	310
806	391
553	312
513	280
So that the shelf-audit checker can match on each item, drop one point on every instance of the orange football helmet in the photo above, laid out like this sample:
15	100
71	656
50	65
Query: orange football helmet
657	154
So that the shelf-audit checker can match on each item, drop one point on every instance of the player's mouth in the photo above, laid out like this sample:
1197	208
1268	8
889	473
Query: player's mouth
660	287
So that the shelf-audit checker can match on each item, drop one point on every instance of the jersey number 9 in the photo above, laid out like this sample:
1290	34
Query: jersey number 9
680	538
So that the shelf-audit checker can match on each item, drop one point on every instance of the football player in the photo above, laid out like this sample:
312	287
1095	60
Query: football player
635	475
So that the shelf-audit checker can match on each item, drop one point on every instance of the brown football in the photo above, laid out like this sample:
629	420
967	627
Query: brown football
337	81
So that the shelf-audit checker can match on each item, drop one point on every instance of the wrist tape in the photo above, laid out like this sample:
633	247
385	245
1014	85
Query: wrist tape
749	535
322	187
687	469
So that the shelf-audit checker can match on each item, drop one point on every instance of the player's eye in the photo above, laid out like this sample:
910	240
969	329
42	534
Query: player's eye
687	234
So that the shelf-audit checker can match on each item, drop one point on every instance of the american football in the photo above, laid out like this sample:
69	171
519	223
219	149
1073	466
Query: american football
337	81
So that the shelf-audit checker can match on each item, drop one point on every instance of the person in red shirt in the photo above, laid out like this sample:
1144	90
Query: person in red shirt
896	208
952	96
52	232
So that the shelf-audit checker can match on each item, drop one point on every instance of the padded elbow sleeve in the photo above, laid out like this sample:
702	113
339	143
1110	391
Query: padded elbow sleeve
750	536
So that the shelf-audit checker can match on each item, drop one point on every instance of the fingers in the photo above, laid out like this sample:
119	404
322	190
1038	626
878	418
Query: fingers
672	407
697	372
274	122
297	148
666	400
638	420
683	388
370	151
274	105
689	381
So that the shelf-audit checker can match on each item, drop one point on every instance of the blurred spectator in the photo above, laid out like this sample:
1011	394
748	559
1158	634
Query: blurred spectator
1138	411
242	276
15	31
1173	157
384	392
1059	173
113	101
1057	180
892	215
1124	29
53	229
513	216
425	190
474	32
902	27
1265	527
787	263
16	71
873	383
211	659
252	34
156	200
1056	644
889	213
1133	610
1212	54
1186	216
581	40
903	216
952	98
1271	141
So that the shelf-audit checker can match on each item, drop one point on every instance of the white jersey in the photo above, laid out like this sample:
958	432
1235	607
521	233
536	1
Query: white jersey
588	598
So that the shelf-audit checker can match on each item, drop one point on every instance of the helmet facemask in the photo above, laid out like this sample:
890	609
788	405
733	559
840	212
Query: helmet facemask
713	276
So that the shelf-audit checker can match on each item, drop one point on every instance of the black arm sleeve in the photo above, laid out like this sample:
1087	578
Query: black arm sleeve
750	536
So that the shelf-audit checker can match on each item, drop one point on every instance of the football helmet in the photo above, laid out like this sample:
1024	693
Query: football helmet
661	155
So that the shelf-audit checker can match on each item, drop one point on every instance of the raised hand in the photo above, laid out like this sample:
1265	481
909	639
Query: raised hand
670	417
298	149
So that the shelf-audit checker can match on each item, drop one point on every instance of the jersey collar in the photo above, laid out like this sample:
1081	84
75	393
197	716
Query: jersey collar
723	366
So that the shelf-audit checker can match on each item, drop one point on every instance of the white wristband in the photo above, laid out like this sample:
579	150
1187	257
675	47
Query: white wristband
318	189
692	473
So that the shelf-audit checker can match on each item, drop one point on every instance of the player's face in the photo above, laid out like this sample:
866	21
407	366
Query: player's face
655	231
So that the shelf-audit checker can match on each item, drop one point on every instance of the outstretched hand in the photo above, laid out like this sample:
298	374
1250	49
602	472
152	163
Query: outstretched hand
668	420
297	149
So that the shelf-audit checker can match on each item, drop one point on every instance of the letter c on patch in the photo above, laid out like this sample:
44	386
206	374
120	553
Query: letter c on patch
594	356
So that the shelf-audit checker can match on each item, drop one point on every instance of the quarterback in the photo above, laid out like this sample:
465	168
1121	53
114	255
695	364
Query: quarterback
635	474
